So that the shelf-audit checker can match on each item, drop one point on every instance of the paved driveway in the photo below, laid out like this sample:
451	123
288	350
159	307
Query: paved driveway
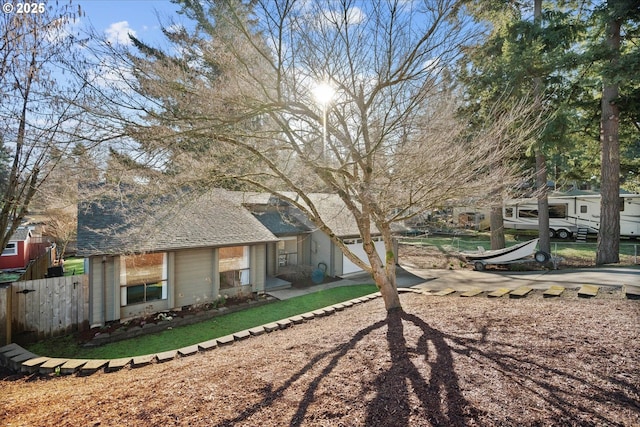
462	280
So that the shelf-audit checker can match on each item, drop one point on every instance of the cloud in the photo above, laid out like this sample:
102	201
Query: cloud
118	33
355	15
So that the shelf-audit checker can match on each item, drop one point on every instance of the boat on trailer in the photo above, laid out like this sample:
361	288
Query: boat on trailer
511	255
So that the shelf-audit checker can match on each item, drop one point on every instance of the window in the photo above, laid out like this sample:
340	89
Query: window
508	212
143	278
234	266
10	249
288	252
527	213
557	211
583	208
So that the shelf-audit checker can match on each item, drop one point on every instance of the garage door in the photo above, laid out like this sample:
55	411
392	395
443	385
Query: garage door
355	245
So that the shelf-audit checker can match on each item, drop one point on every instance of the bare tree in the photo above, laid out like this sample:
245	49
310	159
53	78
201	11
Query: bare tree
237	102
56	202
33	117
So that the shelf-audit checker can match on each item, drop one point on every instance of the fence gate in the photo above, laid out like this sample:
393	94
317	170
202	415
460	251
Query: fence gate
48	307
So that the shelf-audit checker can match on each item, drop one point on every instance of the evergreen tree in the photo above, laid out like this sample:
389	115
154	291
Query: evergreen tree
619	51
527	53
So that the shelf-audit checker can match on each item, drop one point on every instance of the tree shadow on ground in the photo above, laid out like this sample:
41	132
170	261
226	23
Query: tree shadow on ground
421	383
441	401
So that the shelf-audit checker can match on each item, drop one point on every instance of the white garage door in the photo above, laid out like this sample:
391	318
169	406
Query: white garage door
355	245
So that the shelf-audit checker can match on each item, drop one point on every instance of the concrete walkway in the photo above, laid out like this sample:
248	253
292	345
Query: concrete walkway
404	279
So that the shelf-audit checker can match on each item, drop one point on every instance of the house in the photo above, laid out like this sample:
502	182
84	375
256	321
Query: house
148	255
17	253
339	219
292	250
312	246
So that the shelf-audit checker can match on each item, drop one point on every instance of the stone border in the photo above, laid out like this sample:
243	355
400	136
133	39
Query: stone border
188	318
19	359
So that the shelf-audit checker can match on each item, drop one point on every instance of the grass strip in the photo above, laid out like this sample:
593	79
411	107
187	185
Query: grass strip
73	266
183	336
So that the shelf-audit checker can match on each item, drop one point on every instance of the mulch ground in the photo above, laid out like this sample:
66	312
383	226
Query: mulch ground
444	361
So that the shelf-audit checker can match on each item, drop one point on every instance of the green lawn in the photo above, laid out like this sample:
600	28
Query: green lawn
73	266
209	329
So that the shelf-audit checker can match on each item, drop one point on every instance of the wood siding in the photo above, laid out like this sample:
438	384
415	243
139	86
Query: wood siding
195	277
258	262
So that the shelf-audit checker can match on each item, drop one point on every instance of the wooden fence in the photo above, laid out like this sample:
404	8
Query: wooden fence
37	309
39	267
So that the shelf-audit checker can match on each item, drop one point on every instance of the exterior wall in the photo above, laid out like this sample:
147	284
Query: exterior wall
271	258
321	251
195	277
258	262
304	249
20	259
301	246
338	260
192	278
103	306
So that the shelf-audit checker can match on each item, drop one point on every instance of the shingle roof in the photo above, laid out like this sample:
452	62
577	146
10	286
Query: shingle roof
330	208
20	234
280	223
335	214
131	224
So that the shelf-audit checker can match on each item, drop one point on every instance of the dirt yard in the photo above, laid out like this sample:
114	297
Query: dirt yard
445	361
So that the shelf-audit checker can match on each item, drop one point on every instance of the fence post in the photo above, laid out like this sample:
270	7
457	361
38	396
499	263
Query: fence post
8	313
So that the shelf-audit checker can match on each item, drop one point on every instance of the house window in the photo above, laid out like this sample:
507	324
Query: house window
234	266
143	278
10	249
583	208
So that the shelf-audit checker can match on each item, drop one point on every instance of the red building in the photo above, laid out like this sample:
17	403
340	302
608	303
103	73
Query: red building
17	253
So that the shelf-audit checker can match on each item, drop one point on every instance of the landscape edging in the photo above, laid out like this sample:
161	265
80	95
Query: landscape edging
18	359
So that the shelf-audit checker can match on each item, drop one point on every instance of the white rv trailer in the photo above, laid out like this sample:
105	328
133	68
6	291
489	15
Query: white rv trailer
569	213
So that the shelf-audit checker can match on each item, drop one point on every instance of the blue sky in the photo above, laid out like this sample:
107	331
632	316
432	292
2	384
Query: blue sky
115	18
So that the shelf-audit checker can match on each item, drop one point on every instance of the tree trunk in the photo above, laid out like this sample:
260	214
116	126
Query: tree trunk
609	234
544	243
384	272
386	282
543	202
497	228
